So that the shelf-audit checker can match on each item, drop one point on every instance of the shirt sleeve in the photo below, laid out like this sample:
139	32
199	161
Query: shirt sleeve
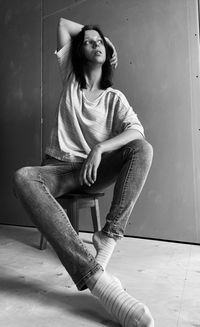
125	117
64	60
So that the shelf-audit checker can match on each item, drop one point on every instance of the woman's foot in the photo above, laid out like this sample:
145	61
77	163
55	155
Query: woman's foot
128	311
104	246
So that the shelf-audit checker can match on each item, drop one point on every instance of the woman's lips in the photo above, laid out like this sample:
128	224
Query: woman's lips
98	53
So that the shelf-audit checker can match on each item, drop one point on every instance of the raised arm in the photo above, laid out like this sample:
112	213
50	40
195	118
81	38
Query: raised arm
65	31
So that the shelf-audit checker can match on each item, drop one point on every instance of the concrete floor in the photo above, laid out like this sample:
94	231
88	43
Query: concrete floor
35	289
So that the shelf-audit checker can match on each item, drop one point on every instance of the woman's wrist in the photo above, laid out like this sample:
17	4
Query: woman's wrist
98	147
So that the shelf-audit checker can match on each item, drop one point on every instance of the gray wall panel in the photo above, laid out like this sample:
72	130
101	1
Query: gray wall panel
20	141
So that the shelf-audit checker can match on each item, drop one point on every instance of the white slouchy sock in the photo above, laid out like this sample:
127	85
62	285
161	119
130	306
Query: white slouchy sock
128	311
104	246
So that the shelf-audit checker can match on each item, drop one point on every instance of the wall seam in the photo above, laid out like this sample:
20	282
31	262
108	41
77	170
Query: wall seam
64	8
41	82
192	9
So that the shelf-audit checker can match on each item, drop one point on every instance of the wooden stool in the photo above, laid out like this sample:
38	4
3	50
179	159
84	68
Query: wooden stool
71	203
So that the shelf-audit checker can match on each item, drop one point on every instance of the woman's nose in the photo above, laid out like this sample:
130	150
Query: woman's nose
95	44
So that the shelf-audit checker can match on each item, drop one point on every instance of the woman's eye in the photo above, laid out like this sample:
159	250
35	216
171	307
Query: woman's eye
91	42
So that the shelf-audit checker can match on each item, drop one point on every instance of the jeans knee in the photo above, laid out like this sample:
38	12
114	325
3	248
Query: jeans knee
146	153
142	147
146	149
20	177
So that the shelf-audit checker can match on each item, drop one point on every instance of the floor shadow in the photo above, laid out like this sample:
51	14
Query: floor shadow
25	235
78	303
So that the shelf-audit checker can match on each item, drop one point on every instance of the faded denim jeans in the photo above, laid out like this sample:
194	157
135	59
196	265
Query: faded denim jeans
38	187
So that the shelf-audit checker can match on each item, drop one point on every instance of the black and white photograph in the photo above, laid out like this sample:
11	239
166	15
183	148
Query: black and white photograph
100	162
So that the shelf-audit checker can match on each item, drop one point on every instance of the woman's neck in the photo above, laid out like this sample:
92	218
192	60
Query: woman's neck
93	77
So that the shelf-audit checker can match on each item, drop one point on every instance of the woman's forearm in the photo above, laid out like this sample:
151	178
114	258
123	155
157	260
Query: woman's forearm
70	27
66	30
118	141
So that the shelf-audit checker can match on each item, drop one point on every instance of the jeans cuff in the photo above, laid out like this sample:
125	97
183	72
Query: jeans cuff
81	284
112	231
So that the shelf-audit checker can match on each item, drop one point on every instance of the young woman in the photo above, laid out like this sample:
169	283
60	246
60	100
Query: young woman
97	140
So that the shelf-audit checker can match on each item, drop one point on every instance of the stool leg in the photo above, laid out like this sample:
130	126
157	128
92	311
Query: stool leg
43	242
96	216
73	212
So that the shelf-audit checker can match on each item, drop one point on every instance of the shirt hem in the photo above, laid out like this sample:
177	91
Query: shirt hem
65	156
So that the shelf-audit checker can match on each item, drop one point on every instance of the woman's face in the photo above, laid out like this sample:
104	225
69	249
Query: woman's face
93	47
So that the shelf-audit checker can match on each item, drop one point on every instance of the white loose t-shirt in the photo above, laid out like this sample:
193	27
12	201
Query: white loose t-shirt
80	123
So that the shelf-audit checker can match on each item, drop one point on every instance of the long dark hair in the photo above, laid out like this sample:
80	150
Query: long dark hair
78	59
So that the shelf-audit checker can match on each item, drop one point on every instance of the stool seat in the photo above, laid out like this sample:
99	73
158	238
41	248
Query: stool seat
71	203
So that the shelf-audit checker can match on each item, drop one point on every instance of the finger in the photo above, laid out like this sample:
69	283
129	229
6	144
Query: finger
113	58
113	62
85	176
89	175
94	174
